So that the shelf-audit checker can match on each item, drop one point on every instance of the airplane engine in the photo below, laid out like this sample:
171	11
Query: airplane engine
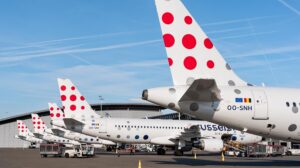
211	145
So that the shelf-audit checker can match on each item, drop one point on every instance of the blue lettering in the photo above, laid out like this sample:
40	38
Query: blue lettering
203	127
215	127
209	128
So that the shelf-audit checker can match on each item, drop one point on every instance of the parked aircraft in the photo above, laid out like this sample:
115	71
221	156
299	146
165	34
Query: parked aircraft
184	135
41	131
57	117
25	134
206	87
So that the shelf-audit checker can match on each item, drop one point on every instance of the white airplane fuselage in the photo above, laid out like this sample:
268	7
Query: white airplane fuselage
29	138
156	131
265	111
82	138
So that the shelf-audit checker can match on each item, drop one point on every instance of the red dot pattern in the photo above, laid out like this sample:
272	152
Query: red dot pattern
170	61
51	115
169	40
73	98
82	107
51	109
167	18
73	107
63	88
188	20
57	115
189	41
190	63
210	64
82	98
73	88
208	44
63	97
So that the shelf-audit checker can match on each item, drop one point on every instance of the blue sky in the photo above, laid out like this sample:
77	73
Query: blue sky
114	48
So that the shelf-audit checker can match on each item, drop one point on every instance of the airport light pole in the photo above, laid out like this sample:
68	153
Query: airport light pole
101	99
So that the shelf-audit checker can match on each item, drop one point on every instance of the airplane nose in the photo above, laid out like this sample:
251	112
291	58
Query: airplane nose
145	95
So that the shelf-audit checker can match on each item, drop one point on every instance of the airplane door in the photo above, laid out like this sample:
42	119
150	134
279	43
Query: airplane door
260	105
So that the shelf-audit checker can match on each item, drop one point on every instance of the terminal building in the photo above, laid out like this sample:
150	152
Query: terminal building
8	126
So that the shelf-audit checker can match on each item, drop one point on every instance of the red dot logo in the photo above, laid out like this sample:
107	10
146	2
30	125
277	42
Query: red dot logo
73	107
167	18
170	61
73	88
189	41
38	127
82	98
188	20
208	44
63	97
73	98
210	64
51	109
38	122
63	88
82	107
57	115
168	40
33	118
51	115
190	63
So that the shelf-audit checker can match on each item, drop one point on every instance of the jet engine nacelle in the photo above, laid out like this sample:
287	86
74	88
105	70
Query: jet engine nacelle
211	145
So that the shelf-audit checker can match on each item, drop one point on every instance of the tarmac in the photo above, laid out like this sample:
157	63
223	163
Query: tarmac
30	158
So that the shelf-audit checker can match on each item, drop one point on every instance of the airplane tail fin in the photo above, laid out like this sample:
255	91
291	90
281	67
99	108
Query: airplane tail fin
191	54
22	128
38	125
56	113
74	104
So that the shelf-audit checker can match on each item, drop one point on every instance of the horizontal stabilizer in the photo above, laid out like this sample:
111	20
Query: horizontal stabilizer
57	131
204	90
71	121
38	135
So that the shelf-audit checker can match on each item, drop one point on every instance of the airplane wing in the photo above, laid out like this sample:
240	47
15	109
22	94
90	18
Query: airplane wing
204	90
193	132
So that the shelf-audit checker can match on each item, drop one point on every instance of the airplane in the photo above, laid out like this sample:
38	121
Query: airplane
57	116
183	135
25	134
41	131
206	87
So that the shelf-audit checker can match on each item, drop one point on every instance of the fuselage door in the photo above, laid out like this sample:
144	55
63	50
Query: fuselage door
260	105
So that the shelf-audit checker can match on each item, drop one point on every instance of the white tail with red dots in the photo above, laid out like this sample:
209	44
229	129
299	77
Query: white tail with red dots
191	54
55	112
38	125
22	128
74	104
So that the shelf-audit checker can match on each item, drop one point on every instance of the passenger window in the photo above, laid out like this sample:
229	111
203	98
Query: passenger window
294	104
288	104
